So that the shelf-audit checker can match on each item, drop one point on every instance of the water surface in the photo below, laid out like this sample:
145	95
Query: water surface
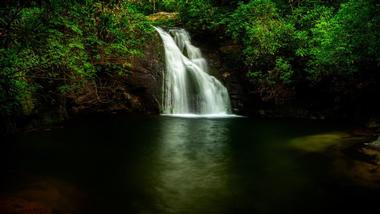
134	164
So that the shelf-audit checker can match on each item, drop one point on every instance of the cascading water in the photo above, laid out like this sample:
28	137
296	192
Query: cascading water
188	89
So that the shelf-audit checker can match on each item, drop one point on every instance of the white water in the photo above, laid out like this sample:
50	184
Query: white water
188	89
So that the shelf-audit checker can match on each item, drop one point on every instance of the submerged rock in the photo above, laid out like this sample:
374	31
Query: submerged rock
375	144
359	161
318	142
363	173
21	206
42	195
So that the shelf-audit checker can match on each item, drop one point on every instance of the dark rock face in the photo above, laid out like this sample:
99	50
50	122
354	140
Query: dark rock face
146	78
220	58
137	91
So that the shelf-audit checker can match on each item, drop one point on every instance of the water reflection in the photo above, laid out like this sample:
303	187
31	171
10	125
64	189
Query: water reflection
177	165
192	164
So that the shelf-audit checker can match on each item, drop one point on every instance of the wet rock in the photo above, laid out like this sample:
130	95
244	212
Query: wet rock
139	90
362	172
374	154
361	161
222	65
146	77
374	144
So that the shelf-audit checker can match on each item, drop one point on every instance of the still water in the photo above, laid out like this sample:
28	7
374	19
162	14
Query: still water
134	164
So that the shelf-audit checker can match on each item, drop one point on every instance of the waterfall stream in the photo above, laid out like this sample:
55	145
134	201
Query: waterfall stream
188	89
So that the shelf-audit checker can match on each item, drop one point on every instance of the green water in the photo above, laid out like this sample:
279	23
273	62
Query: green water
131	164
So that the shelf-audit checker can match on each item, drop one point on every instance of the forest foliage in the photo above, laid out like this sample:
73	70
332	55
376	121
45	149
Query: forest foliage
286	43
59	44
283	43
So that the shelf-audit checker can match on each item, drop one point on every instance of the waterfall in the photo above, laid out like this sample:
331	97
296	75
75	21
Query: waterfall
188	89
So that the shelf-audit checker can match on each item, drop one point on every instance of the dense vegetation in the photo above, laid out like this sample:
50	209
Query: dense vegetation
48	48
312	51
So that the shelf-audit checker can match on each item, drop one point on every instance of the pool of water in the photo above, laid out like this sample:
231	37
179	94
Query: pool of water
135	164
